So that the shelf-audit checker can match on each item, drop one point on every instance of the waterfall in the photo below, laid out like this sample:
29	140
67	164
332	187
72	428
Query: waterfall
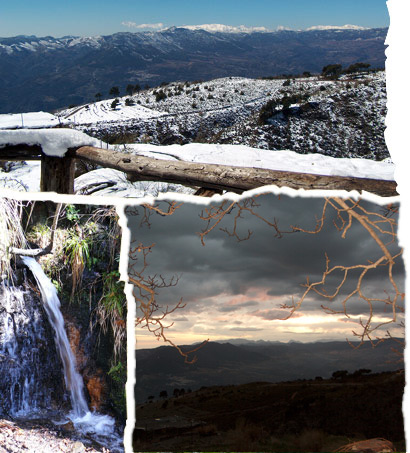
86	422
73	380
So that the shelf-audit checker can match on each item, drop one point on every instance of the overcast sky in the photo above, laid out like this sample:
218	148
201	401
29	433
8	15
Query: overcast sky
234	289
92	17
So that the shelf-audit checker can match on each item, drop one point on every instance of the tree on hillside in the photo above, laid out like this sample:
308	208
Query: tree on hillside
357	67
332	70
130	89
163	394
137	88
98	96
114	91
114	104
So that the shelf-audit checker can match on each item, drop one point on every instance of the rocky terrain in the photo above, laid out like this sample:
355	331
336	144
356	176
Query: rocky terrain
29	437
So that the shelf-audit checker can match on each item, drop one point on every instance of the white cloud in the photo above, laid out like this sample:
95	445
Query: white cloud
143	26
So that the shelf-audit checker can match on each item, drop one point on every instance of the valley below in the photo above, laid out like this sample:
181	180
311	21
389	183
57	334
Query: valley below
310	415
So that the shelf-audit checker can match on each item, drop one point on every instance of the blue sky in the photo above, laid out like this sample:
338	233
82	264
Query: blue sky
93	17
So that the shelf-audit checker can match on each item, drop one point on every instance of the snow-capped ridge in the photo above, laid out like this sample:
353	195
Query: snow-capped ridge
221	28
337	27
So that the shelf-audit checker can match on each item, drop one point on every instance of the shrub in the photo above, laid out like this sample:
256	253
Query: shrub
160	95
267	111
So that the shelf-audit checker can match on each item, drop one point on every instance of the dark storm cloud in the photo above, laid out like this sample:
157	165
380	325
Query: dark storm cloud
226	266
269	315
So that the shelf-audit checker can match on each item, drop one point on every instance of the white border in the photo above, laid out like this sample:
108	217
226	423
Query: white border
397	138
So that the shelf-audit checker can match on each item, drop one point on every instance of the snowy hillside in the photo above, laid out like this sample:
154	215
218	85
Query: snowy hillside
306	125
341	118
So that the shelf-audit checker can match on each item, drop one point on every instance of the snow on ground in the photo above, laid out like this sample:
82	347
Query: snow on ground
22	176
341	118
30	120
110	182
188	97
103	112
54	142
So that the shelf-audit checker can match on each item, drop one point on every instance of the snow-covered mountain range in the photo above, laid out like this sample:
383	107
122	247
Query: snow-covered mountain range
46	73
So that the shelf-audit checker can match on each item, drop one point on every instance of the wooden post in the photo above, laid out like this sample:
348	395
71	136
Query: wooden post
57	174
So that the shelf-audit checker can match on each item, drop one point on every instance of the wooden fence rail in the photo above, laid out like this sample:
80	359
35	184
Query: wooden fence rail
57	173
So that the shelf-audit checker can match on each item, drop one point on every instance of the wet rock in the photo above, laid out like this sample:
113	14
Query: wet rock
68	427
96	389
26	384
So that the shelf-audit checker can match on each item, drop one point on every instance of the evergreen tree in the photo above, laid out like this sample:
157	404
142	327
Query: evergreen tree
357	67
332	70
114	104
130	89
115	91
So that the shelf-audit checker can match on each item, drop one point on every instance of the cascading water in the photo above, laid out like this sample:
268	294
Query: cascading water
86	422
73	380
26	385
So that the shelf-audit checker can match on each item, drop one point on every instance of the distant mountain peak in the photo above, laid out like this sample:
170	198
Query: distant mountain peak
337	27
221	28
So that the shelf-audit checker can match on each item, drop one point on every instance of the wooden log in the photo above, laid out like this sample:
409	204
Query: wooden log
57	174
32	252
21	152
222	177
